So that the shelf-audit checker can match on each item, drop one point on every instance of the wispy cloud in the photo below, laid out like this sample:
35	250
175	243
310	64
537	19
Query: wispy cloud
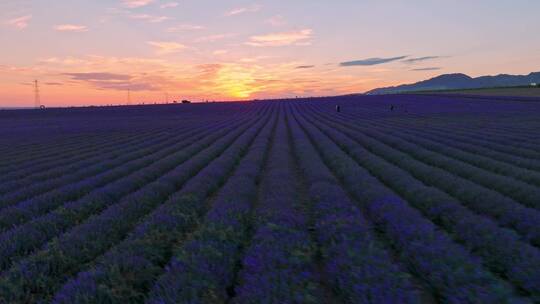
426	69
304	67
150	18
277	20
242	10
71	28
219	52
112	81
420	59
167	47
217	37
97	76
300	37
20	22
370	61
136	3
254	59
169	5
184	27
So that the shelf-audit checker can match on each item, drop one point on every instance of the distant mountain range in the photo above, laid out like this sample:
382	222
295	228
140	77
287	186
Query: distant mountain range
461	81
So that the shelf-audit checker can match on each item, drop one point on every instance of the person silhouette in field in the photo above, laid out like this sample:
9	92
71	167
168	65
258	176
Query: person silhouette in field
338	109
392	107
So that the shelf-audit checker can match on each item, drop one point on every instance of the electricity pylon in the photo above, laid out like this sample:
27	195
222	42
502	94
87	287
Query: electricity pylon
37	99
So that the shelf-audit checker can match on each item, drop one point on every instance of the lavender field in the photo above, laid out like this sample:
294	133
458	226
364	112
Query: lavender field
394	199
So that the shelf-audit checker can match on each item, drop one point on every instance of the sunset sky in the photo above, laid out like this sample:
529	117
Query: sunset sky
91	52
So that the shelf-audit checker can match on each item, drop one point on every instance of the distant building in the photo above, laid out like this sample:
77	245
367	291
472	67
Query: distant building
534	84
186	101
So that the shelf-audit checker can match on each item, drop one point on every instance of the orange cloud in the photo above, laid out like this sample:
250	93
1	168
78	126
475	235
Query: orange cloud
167	47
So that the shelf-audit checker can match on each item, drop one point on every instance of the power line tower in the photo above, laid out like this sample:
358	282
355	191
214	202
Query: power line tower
37	99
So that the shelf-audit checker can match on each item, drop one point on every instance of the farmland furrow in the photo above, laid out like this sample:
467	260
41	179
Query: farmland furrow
449	139
98	162
277	265
85	143
450	271
19	189
507	212
34	279
489	141
21	212
469	133
21	240
151	242
55	155
57	152
203	269
354	263
46	170
444	147
502	250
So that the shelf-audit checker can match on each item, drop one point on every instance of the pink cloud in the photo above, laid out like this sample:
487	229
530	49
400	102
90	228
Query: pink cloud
184	27
20	22
169	5
150	18
277	20
213	38
242	10
71	28
136	3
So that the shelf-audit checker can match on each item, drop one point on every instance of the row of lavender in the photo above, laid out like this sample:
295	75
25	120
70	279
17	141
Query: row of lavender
71	186
21	240
513	203
103	126
448	271
60	153
73	222
503	251
442	264
37	276
26	199
304	206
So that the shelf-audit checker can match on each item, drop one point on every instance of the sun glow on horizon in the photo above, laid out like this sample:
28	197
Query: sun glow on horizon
237	82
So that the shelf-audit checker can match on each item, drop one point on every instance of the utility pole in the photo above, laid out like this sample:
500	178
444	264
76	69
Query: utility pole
37	99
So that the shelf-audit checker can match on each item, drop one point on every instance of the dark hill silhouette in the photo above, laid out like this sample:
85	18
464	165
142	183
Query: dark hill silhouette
461	81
